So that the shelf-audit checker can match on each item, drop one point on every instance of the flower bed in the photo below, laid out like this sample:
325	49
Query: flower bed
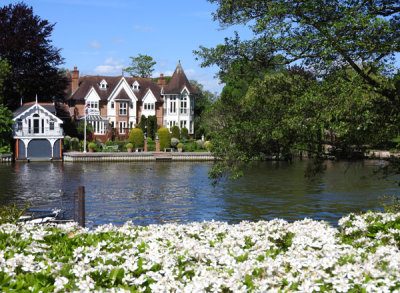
260	256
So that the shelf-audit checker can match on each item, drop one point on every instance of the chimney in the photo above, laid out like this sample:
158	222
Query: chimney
161	80
74	79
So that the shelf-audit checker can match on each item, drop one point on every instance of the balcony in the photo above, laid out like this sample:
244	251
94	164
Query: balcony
37	132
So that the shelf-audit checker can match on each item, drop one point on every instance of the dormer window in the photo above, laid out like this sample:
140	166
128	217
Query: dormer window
135	86
103	85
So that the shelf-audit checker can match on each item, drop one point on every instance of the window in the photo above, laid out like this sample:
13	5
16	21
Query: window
103	85
183	124
131	105
122	126
19	124
112	124
112	105
131	124
183	105
135	86
172	107
148	106
93	105
51	124
123	108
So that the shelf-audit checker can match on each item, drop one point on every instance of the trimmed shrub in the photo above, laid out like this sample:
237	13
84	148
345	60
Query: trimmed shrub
143	123
184	132
92	145
109	143
176	132
75	144
174	142
129	146
180	145
151	144
136	138
164	138
151	126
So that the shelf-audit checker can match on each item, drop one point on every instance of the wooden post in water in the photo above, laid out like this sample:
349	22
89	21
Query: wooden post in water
81	206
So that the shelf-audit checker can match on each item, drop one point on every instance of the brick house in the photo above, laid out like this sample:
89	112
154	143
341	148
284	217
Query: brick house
116	103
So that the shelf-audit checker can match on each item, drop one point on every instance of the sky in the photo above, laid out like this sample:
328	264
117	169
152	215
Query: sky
99	36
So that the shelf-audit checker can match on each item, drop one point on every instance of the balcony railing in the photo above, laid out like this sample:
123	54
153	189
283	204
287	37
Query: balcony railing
37	131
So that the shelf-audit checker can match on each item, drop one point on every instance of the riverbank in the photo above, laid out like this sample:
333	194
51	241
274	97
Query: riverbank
139	156
265	256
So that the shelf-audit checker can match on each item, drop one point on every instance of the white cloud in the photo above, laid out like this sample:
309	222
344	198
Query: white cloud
110	66
143	29
118	40
95	45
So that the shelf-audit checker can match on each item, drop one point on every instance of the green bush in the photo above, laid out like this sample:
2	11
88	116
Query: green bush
151	145
92	145
174	142
180	145
136	138
143	123
176	132
75	144
184	132
12	213
207	145
164	138
200	144
109	143
129	146
151	126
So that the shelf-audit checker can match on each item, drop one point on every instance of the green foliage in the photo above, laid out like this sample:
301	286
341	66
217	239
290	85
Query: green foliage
151	126
174	142
75	144
109	143
390	204
151	145
81	130
164	138
92	145
179	146
143	123
5	114
176	132
141	66
12	213
129	145
136	137
184	133
34	61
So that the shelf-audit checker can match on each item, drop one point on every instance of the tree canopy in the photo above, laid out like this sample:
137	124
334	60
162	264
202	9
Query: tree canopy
26	45
5	114
344	97
141	66
322	34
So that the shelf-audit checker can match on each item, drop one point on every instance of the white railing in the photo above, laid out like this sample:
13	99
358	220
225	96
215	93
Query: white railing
37	131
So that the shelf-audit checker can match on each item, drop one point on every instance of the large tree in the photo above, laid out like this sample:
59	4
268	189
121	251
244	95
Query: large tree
25	43
322	34
5	113
141	66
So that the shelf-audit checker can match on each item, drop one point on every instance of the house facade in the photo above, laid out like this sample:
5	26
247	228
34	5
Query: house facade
38	132
116	103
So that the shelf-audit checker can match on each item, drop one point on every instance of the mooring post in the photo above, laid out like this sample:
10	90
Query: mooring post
81	206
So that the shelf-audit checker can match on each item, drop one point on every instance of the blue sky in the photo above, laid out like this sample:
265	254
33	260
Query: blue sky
99	36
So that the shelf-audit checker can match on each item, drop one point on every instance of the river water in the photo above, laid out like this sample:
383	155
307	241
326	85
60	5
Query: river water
154	193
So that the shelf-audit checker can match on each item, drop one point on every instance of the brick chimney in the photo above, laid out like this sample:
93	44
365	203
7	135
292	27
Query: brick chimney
74	79
161	80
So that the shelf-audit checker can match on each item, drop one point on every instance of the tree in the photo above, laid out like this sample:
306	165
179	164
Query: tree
151	126
5	114
321	34
141	66
202	101
25	43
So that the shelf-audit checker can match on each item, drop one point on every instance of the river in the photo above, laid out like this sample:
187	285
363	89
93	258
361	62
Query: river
154	192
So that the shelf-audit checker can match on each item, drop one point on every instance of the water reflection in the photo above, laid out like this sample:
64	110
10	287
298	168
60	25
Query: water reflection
149	192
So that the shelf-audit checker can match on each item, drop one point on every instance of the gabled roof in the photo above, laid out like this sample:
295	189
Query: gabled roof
49	107
89	81
178	82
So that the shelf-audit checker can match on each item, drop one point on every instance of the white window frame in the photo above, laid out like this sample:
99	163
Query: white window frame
123	111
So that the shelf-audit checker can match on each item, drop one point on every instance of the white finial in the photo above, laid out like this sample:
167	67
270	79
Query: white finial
36	99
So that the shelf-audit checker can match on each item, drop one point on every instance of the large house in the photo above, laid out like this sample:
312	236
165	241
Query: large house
38	132
118	102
